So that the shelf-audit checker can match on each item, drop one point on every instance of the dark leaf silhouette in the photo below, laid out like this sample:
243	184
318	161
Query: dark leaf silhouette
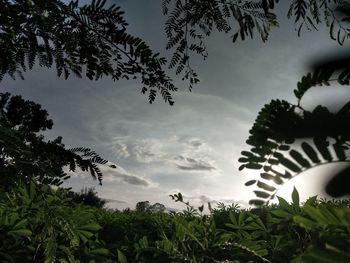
90	39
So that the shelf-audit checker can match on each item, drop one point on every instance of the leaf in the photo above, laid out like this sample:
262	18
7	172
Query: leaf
234	37
295	197
299	158
275	179
20	225
100	251
311	200
266	186
281	213
304	222
93	227
21	232
339	151
262	194
283	203
251	182
310	152
321	145
121	257
287	163
316	214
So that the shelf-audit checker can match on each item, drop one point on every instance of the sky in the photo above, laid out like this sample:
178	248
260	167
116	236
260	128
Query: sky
193	146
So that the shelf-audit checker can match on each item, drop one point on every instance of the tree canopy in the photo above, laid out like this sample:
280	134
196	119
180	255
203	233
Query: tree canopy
24	154
93	39
80	39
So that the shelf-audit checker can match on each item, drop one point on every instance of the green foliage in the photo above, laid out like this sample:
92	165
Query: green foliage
145	206
38	224
278	233
76	38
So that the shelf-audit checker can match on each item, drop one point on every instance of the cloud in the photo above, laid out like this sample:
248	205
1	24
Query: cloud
114	201
188	154
192	144
194	163
119	174
120	147
141	150
148	150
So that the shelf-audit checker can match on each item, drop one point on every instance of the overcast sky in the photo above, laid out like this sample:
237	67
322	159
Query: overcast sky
193	146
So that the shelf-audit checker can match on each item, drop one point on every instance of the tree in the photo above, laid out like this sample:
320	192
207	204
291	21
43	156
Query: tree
145	206
88	196
190	22
24	153
77	39
94	39
142	206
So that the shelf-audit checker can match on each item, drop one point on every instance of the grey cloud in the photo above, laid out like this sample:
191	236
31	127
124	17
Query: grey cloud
143	151
147	151
114	201
194	164
196	143
120	147
113	174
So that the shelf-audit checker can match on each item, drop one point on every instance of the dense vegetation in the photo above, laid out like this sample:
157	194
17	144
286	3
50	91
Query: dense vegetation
39	224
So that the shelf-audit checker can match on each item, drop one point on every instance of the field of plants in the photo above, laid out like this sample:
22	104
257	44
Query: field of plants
39	224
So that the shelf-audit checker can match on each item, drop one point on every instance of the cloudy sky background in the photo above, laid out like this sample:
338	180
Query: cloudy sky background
193	146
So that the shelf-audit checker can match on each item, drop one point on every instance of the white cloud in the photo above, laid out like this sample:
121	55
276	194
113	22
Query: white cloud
120	147
188	154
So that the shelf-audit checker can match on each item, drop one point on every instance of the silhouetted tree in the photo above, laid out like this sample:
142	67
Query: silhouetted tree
88	196
157	208
145	206
90	39
142	206
189	23
24	153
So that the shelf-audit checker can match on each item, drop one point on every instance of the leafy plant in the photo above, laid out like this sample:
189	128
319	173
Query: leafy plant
287	140
41	225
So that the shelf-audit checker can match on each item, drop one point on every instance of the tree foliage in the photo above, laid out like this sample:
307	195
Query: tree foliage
24	153
189	23
286	139
88	196
78	39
